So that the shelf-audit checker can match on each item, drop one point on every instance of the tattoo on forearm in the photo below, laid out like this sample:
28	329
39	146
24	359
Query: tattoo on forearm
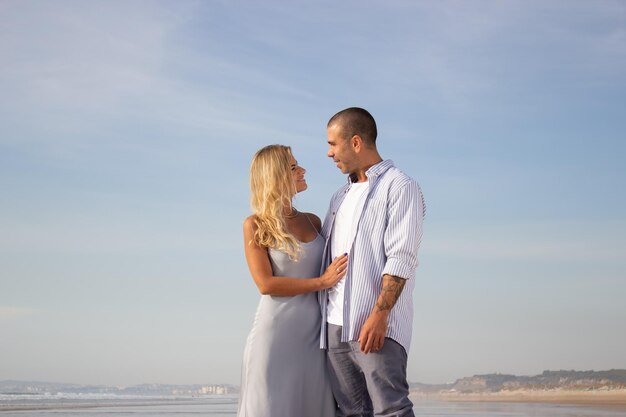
392	288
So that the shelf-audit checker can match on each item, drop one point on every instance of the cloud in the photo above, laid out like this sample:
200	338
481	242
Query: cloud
232	72
76	56
77	71
465	57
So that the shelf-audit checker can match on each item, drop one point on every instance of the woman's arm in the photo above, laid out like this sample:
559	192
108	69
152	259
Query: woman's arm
261	269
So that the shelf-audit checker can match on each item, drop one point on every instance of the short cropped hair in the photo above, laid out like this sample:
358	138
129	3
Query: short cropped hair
355	121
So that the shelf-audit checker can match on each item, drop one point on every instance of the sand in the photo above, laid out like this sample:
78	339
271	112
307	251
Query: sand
610	398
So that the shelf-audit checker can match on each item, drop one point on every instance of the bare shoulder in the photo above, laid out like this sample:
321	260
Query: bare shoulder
249	224
249	230
315	220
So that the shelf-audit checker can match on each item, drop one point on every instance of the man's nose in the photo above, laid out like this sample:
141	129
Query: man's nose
330	153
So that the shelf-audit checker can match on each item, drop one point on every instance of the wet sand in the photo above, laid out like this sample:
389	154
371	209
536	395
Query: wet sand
611	398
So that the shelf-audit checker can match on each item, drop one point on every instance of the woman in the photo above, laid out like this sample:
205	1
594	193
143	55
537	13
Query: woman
284	371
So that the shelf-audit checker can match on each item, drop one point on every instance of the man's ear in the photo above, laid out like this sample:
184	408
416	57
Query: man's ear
356	142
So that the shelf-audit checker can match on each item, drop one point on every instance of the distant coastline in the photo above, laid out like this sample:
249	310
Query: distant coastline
25	388
593	388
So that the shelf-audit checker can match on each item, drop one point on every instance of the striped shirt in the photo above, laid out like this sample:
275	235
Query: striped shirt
386	242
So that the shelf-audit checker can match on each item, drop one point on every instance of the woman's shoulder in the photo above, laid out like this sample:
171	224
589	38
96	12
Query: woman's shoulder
249	223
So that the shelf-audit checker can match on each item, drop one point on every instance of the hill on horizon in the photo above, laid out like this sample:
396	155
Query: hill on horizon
563	379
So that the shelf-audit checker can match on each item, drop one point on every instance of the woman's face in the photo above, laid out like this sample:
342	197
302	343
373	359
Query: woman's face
297	173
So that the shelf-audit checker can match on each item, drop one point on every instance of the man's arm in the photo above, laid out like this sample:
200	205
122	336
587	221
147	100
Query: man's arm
401	240
392	288
372	336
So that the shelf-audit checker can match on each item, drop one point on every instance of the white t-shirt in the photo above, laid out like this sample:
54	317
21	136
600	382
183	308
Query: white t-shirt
344	229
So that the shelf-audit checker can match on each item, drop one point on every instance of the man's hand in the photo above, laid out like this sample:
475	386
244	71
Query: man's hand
372	336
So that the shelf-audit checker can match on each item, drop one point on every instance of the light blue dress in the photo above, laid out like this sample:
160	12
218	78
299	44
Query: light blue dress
284	370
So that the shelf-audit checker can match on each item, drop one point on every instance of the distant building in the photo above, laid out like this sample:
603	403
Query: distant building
215	390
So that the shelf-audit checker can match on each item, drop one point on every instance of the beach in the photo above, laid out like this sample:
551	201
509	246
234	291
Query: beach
598	398
608	404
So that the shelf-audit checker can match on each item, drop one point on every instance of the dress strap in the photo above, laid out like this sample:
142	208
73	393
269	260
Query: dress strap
312	225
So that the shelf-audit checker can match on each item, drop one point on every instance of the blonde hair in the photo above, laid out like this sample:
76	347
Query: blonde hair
271	189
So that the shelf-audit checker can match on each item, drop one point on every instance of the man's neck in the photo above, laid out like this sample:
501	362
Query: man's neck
360	174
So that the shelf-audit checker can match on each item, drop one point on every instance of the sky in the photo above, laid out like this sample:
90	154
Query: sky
127	130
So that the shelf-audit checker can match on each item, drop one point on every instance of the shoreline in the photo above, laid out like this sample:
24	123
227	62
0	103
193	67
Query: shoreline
609	398
65	404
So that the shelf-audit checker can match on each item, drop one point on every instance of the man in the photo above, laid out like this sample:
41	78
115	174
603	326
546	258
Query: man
367	317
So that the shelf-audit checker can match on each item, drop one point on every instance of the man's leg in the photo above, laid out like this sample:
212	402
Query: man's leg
346	378
385	375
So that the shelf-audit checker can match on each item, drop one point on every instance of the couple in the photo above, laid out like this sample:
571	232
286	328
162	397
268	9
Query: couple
359	311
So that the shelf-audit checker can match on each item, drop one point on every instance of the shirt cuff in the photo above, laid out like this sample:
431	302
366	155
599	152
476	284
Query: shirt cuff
399	269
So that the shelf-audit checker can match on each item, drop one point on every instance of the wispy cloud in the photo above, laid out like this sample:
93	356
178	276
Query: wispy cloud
85	68
469	56
83	56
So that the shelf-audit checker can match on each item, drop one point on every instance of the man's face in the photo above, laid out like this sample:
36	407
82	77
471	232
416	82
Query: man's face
341	150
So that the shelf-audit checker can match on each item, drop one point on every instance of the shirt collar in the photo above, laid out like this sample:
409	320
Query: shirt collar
375	170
